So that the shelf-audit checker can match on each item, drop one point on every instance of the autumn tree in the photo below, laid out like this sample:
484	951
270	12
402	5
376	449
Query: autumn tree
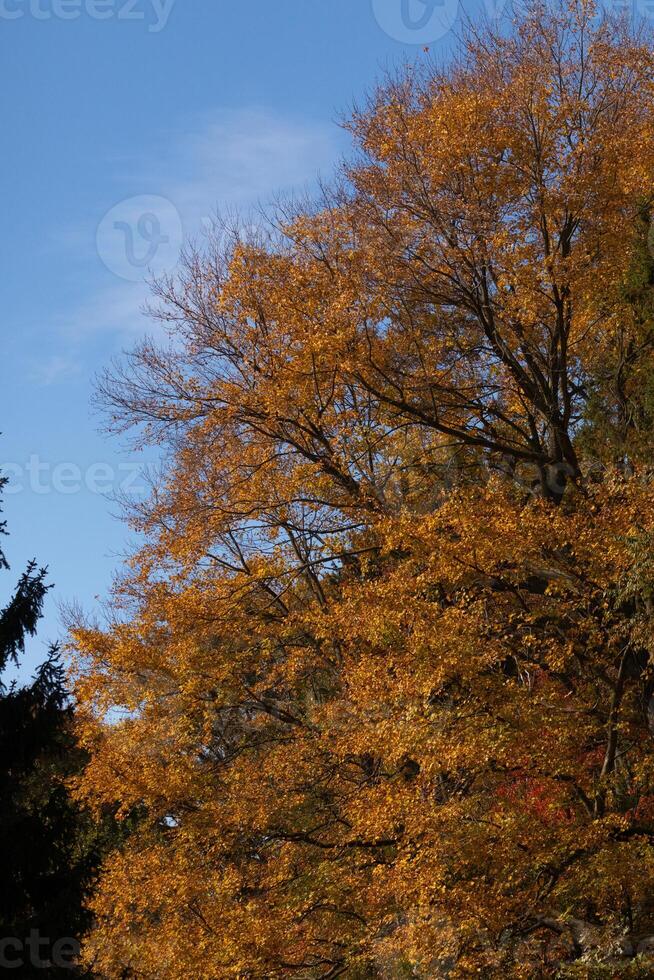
379	680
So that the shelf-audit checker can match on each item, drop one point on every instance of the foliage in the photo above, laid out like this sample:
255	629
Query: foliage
49	850
379	679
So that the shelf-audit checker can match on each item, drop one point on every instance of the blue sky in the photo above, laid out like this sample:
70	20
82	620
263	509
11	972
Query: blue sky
126	123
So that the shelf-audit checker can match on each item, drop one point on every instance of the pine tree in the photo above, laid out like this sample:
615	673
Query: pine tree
48	848
619	415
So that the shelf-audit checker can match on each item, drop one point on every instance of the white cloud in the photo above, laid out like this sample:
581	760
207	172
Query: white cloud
55	369
226	161
114	308
242	158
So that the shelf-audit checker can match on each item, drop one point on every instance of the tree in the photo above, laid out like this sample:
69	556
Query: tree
48	848
379	680
619	410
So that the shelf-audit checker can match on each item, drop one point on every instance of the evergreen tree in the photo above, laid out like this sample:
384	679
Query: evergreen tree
48	848
619	417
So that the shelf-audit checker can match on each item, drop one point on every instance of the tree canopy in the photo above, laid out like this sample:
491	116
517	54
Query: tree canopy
379	680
